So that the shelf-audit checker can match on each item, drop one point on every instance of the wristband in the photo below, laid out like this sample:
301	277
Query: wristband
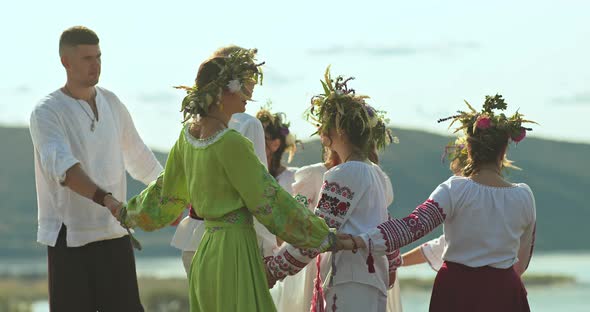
99	196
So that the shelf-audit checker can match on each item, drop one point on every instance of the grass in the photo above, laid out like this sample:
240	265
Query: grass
157	295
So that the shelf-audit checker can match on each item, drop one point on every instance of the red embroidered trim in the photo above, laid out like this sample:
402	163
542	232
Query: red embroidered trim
394	260
329	220
294	261
335	188
333	205
400	232
309	252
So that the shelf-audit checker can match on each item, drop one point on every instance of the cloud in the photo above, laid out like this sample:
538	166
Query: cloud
159	97
573	100
22	89
380	50
274	77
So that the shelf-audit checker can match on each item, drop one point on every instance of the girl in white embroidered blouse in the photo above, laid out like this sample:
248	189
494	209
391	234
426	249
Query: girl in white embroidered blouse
354	198
489	222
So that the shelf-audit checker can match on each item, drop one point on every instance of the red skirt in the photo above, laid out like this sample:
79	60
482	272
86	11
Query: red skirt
459	288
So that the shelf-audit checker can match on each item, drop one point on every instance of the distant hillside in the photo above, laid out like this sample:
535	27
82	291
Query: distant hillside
557	172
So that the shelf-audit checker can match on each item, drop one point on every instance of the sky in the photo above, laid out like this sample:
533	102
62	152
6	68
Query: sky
417	60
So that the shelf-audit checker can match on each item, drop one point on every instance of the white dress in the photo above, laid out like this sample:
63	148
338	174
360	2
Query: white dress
354	198
190	231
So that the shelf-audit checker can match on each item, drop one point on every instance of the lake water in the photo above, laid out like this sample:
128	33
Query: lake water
571	298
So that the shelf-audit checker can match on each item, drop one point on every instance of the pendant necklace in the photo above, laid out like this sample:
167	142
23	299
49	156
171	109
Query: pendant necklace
92	119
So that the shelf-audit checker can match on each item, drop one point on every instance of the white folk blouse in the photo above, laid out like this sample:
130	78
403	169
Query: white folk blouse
483	225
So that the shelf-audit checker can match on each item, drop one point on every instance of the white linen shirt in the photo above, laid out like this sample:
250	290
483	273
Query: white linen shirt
60	129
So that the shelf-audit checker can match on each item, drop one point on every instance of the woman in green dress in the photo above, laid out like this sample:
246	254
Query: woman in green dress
214	169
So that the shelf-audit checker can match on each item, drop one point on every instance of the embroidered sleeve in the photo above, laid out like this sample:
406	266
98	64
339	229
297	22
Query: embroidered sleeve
164	199
272	206
396	233
394	260
335	203
289	260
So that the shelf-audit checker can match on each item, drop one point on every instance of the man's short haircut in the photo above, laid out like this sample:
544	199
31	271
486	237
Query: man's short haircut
77	35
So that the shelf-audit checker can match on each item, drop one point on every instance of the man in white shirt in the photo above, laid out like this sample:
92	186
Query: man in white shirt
84	141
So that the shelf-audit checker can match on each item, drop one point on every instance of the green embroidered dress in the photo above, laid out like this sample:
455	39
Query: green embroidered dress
227	185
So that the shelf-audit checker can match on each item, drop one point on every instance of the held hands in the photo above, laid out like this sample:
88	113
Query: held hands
113	205
349	242
392	277
116	209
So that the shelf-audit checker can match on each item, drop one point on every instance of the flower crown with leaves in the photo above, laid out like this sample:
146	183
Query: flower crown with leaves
338	105
278	122
478	124
238	68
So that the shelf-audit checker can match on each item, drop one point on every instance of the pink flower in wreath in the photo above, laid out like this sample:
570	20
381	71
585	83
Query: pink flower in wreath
483	122
520	136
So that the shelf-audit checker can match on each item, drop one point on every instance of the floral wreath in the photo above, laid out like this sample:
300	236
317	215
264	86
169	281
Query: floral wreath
239	68
278	121
486	122
339	104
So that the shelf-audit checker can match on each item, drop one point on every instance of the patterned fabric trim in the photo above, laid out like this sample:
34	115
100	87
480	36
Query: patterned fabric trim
239	216
202	143
310	253
269	196
302	199
335	188
330	221
394	260
400	232
282	265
